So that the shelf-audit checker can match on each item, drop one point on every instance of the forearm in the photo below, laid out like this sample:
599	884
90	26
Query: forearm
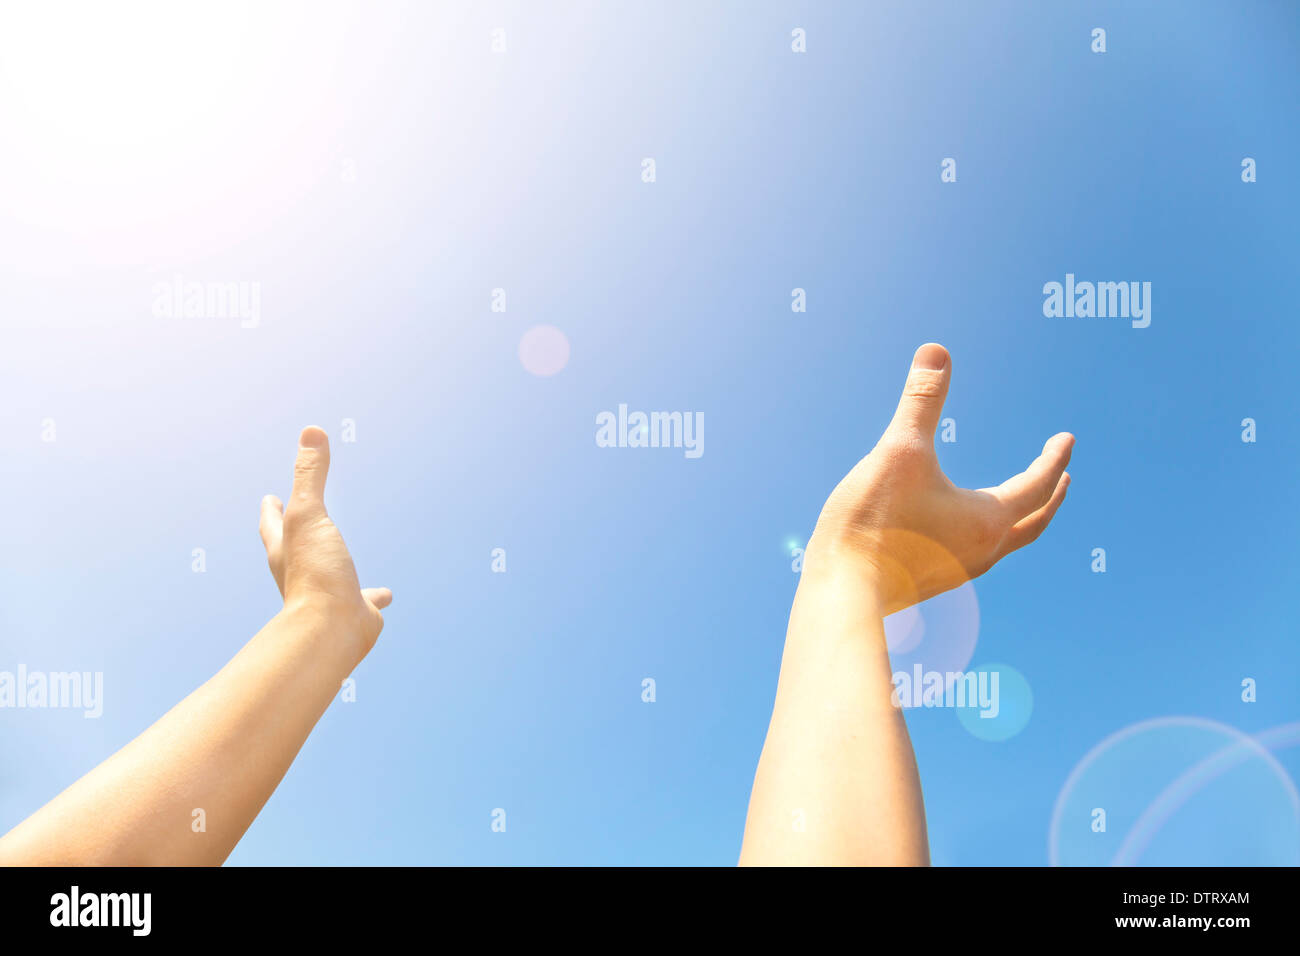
837	782
222	750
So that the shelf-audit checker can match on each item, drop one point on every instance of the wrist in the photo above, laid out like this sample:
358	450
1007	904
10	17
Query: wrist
836	572
834	604
336	626
842	588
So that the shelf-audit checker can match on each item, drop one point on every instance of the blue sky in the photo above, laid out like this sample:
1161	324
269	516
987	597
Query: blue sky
378	171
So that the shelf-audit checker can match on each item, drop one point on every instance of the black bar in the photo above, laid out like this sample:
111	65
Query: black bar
385	905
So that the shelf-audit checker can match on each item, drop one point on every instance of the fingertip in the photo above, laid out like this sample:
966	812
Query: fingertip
271	512
270	521
313	437
931	356
1059	446
379	597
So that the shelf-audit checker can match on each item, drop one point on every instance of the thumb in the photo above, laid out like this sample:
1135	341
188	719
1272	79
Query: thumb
923	394
271	525
310	469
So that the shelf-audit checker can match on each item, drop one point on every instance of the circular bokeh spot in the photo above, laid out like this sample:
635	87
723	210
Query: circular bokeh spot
1177	791
938	635
904	630
998	702
544	350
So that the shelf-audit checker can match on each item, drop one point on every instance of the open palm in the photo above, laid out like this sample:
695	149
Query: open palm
897	518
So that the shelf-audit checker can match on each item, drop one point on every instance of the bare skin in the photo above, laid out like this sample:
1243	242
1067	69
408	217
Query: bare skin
837	782
225	747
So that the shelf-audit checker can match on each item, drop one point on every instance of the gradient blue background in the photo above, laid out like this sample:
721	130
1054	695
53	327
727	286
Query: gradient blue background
775	171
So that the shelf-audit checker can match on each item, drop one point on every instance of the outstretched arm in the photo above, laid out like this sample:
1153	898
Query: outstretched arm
225	748
837	782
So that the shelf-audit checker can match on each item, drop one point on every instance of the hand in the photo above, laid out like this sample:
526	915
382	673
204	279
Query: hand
898	521
307	555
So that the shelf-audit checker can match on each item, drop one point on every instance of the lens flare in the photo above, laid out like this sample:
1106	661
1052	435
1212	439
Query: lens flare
1002	706
544	350
1179	791
939	634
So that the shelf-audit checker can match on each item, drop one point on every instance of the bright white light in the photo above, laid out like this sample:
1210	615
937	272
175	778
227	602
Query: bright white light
117	120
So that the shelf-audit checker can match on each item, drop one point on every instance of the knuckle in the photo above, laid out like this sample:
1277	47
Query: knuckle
923	386
899	449
298	519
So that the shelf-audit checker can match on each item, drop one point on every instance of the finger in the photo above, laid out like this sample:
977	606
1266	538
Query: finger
924	393
1028	529
271	525
379	597
1025	493
310	469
